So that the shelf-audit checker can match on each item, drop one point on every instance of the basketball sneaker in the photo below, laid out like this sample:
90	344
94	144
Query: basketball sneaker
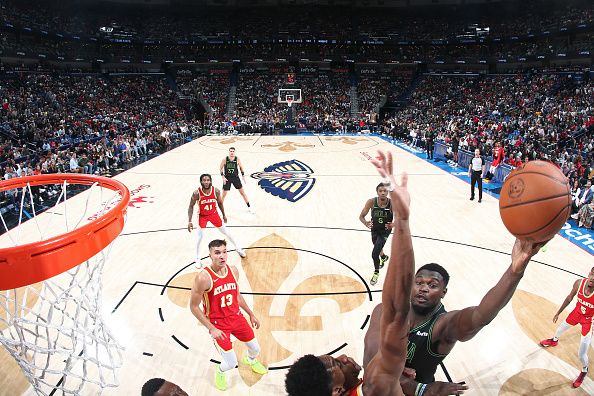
549	342
256	366
383	261
578	381
374	278
241	253
220	379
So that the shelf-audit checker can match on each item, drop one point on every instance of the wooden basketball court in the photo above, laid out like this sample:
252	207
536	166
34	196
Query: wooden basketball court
308	265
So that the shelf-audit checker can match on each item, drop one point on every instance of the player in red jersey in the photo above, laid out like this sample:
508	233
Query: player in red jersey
582	314
215	287
208	197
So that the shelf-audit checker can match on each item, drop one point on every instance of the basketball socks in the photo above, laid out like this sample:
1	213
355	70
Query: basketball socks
563	327
253	349
228	361
200	235
250	358
583	351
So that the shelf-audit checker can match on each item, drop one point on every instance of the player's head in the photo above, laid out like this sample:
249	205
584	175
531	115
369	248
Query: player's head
591	277
231	151
381	190
205	180
477	152
430	286
321	376
160	387
217	250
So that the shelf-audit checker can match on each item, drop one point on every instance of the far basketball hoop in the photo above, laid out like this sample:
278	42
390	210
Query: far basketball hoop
289	96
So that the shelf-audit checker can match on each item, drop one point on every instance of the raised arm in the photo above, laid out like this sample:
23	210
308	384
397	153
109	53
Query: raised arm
394	325
570	296
193	200
364	212
464	324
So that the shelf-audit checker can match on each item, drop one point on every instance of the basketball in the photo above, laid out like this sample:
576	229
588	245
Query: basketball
535	201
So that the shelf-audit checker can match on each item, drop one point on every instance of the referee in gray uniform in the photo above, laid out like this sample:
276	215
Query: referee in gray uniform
475	172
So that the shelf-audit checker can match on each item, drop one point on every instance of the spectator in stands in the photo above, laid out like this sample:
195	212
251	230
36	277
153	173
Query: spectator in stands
586	215
584	197
74	166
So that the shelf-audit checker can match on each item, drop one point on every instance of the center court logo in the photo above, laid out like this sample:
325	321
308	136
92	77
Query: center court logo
290	180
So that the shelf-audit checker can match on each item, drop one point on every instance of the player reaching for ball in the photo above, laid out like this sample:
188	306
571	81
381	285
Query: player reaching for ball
582	314
431	331
434	332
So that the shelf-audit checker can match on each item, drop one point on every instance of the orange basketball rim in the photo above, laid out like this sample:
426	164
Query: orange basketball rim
29	263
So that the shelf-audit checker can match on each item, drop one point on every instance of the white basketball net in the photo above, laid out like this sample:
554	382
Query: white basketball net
54	329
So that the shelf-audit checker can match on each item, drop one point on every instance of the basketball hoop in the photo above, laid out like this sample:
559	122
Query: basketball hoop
54	329
289	102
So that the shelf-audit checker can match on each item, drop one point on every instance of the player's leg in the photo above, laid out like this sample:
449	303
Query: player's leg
246	199
375	255
378	252
583	352
199	234
384	257
237	184
244	332
569	322
219	224
228	360
226	188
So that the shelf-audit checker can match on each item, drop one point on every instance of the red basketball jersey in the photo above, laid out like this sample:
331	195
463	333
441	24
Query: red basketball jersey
221	300
207	203
357	390
585	303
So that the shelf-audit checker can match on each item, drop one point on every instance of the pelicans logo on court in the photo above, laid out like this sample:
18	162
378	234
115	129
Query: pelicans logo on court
290	180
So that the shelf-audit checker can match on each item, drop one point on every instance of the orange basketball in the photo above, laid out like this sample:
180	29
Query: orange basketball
535	201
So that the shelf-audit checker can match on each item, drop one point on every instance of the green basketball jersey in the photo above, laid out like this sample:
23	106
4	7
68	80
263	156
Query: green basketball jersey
231	167
380	216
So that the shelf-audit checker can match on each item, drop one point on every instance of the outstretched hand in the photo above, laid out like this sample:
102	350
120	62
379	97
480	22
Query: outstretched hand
439	388
398	192
522	253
